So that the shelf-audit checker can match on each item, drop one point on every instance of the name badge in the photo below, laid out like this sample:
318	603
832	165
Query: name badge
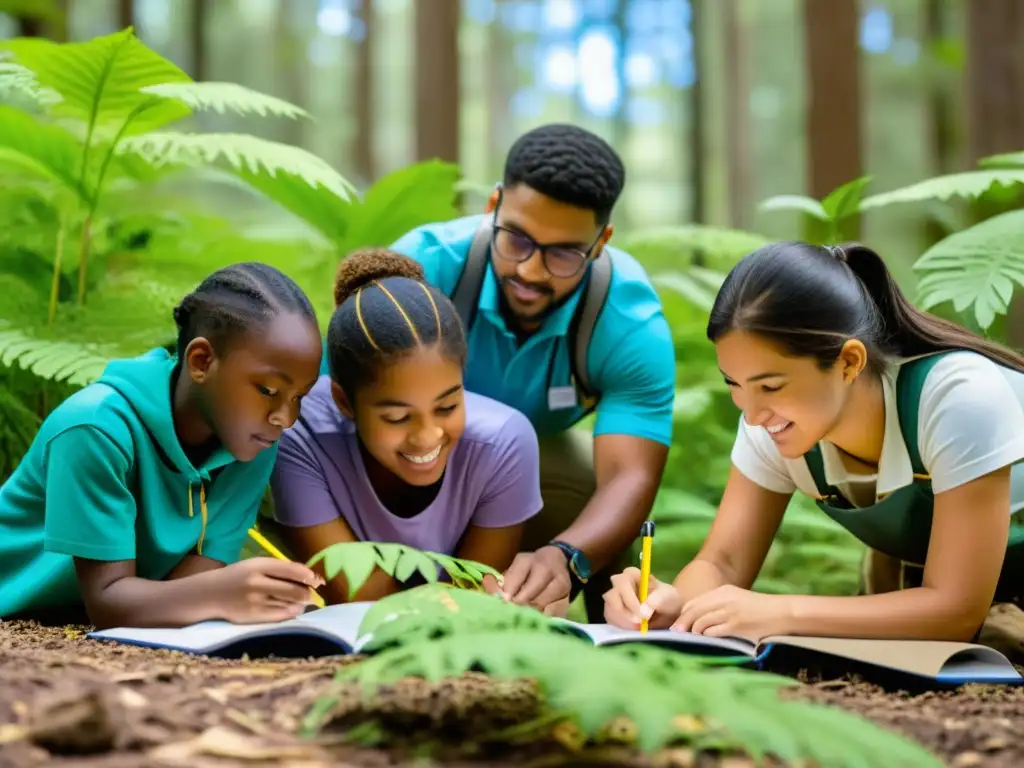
560	398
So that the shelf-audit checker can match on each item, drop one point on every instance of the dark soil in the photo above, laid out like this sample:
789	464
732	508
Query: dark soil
69	701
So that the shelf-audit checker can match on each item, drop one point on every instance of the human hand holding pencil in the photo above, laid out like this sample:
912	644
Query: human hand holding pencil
637	599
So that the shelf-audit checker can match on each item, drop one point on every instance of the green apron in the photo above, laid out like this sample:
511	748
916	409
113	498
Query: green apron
900	524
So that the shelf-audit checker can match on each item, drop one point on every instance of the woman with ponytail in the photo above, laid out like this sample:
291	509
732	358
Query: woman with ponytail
905	428
389	447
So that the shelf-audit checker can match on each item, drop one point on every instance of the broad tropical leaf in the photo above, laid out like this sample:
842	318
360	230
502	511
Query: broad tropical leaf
46	150
697	285
238	151
224	98
402	200
845	199
976	267
674	247
800	203
328	213
1012	159
968	184
357	559
100	81
736	706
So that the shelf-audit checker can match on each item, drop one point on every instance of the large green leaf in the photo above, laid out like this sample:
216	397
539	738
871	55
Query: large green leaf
969	184
697	285
46	150
224	98
800	203
675	247
320	207
69	362
100	81
976	267
238	151
402	200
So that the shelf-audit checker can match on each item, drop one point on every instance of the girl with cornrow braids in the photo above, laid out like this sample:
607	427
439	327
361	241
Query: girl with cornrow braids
389	447
140	488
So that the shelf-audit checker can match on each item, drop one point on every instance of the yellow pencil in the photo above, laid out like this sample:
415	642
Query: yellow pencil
260	539
646	539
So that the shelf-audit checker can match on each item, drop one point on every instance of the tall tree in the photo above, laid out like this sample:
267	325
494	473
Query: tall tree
363	84
197	31
125	13
833	118
739	160
437	79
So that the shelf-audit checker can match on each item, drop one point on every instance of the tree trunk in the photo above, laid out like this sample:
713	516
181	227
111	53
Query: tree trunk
995	107
437	79
125	14
362	86
697	103
737	115
833	117
197	31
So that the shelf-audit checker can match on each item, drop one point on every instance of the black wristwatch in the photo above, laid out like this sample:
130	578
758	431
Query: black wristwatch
579	565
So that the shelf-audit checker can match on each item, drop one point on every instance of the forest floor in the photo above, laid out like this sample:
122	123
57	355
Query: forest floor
66	700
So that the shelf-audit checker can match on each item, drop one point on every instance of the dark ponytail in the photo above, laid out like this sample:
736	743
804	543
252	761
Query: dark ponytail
812	299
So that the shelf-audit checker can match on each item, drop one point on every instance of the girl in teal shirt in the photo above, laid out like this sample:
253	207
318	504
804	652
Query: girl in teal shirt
906	429
140	488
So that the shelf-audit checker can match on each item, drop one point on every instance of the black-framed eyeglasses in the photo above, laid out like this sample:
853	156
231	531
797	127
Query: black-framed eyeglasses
558	260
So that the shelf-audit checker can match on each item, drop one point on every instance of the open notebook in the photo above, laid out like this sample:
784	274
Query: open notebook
946	662
333	630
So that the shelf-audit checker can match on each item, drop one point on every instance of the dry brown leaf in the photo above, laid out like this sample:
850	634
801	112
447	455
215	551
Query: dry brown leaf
11	732
224	742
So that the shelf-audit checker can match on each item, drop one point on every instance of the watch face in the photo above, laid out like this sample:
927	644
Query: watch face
581	565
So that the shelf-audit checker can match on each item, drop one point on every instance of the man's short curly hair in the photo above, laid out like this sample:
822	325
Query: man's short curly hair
569	164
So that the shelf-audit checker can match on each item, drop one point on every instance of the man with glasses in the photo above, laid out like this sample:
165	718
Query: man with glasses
542	253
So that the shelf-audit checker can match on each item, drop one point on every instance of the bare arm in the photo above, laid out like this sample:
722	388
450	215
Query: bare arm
742	533
970	527
193	564
114	596
307	541
627	470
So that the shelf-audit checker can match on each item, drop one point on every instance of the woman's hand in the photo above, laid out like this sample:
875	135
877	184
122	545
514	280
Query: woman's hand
622	606
729	611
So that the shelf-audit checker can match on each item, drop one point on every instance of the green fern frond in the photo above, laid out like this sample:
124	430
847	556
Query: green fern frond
969	184
224	98
41	149
239	151
975	268
62	361
697	285
357	559
595	685
18	426
1010	159
100	81
436	610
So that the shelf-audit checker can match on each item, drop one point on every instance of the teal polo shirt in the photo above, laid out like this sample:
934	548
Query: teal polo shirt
631	359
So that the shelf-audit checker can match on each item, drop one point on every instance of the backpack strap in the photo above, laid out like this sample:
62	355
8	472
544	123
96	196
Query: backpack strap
584	319
909	383
466	296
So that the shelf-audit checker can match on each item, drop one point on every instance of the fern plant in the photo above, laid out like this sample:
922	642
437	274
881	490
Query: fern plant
593	686
357	559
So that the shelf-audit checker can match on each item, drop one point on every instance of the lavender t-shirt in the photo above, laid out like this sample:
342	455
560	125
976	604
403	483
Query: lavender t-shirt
492	479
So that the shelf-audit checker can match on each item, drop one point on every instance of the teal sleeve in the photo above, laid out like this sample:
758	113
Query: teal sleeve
638	384
442	261
226	531
90	510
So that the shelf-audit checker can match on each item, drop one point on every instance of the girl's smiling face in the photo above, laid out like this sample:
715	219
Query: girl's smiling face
410	418
794	399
